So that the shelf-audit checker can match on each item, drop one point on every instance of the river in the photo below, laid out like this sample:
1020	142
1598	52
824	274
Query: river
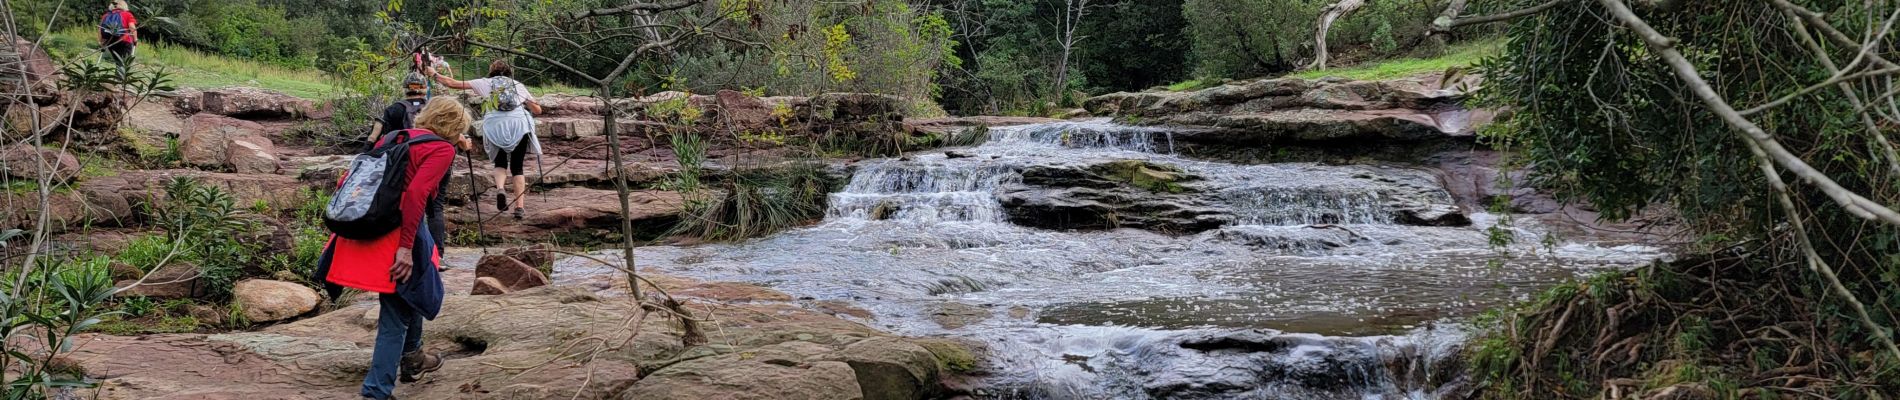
1310	288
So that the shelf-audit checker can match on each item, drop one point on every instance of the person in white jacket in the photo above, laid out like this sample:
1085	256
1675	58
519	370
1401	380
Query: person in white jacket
507	128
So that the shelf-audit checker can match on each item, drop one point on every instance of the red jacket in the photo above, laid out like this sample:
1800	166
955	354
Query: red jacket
364	264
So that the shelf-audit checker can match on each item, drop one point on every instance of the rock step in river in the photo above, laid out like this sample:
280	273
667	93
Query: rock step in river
1286	281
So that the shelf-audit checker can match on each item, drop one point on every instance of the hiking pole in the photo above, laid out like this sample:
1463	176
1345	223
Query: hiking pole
474	202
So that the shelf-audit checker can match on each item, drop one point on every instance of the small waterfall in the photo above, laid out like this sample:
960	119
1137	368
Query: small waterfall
925	193
933	189
1094	134
1309	206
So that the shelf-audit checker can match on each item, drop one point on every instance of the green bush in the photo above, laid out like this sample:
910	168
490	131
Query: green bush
147	252
213	229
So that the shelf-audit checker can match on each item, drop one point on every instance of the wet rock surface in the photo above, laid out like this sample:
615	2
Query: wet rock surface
762	350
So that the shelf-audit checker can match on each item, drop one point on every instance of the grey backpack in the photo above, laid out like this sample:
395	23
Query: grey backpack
505	96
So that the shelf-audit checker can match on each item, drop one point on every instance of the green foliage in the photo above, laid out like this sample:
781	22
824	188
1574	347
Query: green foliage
138	306
1607	123
1193	85
1460	55
147	252
758	203
187	67
41	310
1382	38
1248	38
213	230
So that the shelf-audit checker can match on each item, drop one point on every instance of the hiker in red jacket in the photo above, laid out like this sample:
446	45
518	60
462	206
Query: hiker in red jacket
118	34
401	265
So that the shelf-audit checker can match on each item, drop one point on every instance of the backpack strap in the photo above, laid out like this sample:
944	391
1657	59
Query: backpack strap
415	136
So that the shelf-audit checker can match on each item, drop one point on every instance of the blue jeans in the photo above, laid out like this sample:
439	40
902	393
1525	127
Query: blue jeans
398	331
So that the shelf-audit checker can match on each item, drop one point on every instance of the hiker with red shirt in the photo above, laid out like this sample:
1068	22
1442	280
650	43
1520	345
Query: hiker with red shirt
401	266
118	34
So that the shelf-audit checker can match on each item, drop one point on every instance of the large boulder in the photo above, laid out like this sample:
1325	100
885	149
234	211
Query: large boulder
892	369
17	56
22	161
511	274
209	140
97	116
175	281
744	113
153	122
539	255
771	373
263	300
252	155
252	103
20	119
1109	195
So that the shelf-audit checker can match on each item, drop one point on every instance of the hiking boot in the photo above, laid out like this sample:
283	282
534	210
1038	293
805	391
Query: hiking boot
519	213
501	201
415	364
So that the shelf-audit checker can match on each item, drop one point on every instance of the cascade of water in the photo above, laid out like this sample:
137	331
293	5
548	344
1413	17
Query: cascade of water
924	193
1307	206
1094	134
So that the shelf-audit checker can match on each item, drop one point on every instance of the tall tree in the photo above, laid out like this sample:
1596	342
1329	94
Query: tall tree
1068	26
1332	13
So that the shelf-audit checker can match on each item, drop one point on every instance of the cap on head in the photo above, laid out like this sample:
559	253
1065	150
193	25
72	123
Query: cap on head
413	83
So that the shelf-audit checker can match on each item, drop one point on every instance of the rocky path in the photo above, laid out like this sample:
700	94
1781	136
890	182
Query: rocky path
569	340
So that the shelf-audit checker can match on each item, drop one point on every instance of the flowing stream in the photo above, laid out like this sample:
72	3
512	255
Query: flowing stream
1311	291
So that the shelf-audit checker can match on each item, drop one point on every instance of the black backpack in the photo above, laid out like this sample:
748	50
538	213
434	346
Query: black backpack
368	204
410	107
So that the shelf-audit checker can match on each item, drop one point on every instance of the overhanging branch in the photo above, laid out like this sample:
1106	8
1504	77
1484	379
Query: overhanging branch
635	7
1446	25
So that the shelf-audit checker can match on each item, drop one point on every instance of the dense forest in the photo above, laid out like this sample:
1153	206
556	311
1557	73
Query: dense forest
971	56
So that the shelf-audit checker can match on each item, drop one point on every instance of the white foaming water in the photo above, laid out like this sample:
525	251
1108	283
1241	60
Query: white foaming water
1312	292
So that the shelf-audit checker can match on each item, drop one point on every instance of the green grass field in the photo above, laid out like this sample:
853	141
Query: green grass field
194	69
198	70
1461	55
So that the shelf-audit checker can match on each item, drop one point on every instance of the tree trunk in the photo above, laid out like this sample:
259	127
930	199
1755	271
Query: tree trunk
1330	14
1072	13
606	93
1441	26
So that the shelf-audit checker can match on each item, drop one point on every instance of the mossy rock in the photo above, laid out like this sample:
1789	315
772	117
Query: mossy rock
951	356
1157	178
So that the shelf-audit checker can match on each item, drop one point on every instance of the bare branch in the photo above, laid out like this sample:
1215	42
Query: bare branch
635	7
1836	80
1443	24
536	57
1827	30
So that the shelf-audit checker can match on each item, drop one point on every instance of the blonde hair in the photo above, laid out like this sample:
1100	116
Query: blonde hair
119	4
446	117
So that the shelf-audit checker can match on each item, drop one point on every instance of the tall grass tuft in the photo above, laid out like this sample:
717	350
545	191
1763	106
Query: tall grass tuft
758	203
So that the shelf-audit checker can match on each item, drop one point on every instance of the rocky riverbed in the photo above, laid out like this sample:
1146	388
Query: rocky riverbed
1262	239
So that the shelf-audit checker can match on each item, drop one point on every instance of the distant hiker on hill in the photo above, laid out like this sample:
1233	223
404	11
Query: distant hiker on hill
504	127
118	34
400	263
